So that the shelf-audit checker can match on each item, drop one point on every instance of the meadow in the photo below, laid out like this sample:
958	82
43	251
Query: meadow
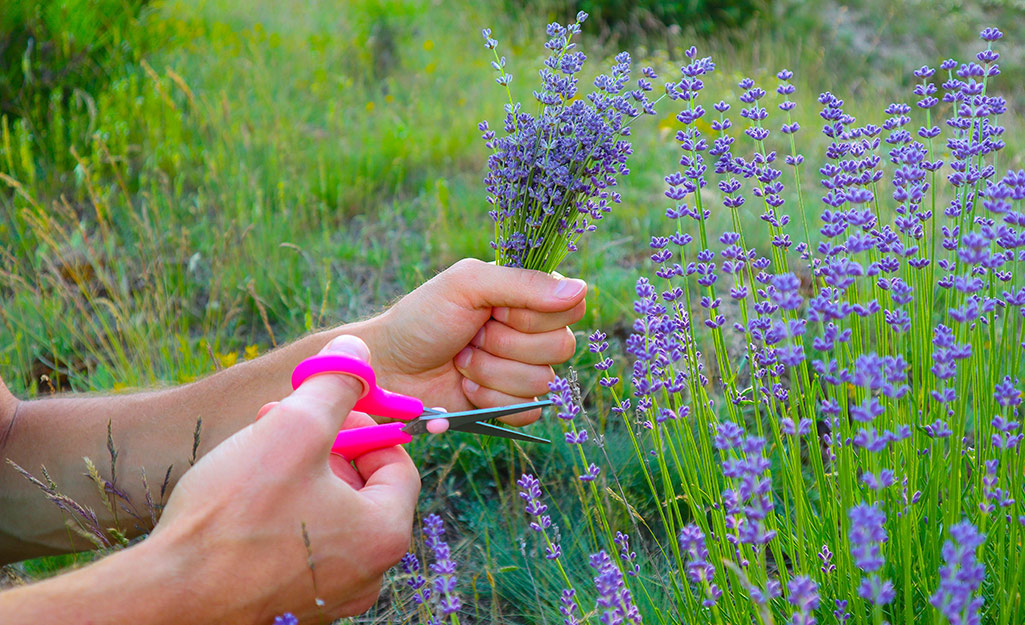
248	174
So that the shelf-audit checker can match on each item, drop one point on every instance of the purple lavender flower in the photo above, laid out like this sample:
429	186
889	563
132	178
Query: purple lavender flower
416	581
629	558
531	493
1004	438
841	613
563	399
613	596
699	570
867	533
568	607
961	577
827	560
443	567
1006	392
749	502
803	594
286	619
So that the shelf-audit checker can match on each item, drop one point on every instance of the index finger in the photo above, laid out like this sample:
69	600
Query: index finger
531	321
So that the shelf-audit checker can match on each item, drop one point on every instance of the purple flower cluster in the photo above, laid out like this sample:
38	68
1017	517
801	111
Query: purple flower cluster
416	581
443	567
749	503
803	594
531	493
894	338
699	570
961	577
866	535
552	176
614	598
627	557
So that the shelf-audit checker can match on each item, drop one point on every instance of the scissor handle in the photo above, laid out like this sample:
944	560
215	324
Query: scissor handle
351	444
375	400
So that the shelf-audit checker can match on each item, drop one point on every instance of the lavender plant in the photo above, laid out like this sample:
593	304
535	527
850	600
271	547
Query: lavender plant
838	414
552	175
438	599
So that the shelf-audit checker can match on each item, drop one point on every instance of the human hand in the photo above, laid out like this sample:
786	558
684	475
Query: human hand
237	514
478	335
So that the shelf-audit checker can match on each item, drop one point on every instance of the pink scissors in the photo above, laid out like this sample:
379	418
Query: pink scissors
353	443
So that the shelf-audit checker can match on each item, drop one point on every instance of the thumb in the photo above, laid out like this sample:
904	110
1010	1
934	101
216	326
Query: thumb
486	285
316	410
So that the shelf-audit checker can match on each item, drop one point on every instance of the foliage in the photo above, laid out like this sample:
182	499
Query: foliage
53	52
635	19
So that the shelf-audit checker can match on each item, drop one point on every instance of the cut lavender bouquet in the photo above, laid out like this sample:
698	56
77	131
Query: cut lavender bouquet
552	175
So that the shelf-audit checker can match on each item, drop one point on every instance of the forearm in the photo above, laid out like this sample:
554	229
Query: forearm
151	583
151	432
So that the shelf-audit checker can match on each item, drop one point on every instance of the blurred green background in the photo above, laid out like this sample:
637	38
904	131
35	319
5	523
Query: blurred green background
184	184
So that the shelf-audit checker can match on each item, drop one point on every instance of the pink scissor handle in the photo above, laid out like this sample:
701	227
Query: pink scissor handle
351	444
375	400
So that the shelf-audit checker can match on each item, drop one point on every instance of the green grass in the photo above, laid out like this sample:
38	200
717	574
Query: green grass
270	169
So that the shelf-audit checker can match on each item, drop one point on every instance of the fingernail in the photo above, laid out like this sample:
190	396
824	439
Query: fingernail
462	359
478	338
349	345
469	386
569	288
500	314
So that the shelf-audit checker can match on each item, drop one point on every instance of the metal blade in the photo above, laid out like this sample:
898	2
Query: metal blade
459	420
488	429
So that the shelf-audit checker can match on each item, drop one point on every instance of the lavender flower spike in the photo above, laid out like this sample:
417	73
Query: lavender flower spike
803	595
961	577
613	594
443	567
699	570
867	532
531	493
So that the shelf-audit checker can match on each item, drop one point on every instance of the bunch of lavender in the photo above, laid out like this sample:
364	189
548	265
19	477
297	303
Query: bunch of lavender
872	362
552	175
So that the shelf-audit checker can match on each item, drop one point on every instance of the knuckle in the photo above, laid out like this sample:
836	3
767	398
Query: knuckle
466	268
298	416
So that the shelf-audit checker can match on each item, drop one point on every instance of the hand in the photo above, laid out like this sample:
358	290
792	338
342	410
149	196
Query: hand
240	509
478	335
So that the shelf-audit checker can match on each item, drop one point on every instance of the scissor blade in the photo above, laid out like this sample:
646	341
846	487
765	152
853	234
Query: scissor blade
459	420
487	429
